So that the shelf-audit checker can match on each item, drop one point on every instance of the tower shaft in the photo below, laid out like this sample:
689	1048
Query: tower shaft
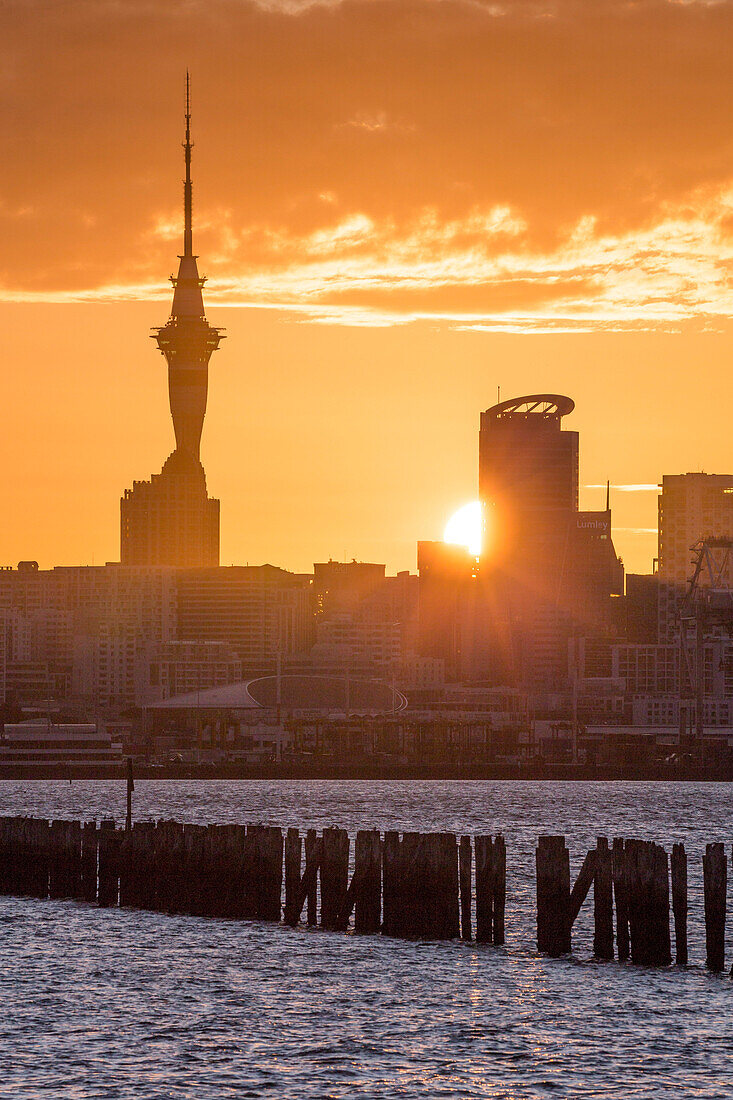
188	340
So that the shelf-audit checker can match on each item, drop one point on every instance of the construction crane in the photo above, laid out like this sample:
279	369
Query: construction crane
706	604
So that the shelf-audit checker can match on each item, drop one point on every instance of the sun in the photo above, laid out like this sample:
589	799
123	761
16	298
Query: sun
466	528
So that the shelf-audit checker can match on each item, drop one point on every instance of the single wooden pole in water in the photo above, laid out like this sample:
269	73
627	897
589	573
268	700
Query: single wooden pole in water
679	902
715	875
464	872
603	901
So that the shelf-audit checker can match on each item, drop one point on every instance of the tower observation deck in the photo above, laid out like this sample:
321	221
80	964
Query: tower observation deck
171	520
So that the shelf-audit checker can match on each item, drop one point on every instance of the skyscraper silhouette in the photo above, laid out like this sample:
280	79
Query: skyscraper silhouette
171	520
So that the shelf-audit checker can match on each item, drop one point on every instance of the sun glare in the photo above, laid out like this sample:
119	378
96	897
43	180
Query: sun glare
465	528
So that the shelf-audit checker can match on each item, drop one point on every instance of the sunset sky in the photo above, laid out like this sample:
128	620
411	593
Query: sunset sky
400	206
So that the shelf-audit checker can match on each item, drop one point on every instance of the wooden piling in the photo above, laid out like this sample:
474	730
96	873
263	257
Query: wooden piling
484	889
313	849
293	857
390	882
553	896
603	901
61	857
308	891
334	875
272	898
620	893
715	877
88	884
367	882
679	902
499	877
412	867
662	939
38	858
108	888
464	873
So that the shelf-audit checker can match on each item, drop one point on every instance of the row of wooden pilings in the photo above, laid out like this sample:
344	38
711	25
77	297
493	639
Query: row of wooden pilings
635	875
410	885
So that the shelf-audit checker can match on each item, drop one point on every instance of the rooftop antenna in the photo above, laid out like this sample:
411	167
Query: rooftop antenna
608	495
187	186
498	395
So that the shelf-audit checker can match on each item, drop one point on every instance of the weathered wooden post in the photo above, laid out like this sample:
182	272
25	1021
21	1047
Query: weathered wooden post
58	887
234	869
663	941
679	902
72	846
293	857
484	890
367	881
636	874
39	858
89	861
108	864
464	872
313	848
334	875
448	923
715	876
271	898
603	901
553	896
390	881
620	892
412	866
499	876
647	880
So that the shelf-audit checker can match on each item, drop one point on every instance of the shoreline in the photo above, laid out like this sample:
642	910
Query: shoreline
371	772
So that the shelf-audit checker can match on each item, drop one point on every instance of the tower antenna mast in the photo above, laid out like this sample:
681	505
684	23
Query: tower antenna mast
187	186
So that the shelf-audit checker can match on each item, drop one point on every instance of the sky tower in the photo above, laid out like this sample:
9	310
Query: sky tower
171	520
187	339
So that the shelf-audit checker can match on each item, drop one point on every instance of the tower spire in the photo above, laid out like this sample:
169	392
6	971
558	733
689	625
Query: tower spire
187	186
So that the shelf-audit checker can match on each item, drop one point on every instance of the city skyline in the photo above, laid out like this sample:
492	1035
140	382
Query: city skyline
348	427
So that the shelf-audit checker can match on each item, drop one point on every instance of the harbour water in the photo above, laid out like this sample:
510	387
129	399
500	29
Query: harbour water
118	1003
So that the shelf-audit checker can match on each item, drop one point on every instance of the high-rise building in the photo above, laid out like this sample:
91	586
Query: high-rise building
171	520
692	507
547	570
528	465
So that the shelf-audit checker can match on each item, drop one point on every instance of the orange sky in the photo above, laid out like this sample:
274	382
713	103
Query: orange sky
400	205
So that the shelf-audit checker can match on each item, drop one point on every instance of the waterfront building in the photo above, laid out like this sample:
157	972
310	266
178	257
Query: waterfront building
38	744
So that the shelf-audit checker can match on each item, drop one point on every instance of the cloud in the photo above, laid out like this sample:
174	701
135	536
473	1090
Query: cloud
629	489
518	167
